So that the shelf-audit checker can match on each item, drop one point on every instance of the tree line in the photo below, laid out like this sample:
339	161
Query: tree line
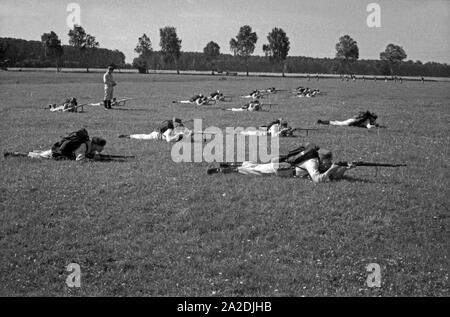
276	59
84	51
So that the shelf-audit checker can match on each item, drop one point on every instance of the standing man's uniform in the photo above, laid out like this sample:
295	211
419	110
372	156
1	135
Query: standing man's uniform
109	87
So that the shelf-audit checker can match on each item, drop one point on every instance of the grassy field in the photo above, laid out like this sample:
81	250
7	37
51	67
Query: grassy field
152	227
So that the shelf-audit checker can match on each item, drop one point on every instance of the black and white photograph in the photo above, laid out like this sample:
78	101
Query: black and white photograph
225	154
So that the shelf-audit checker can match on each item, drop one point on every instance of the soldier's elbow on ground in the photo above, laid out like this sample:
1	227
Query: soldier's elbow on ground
318	179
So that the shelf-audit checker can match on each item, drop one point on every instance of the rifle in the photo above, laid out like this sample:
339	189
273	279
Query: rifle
121	102
187	121
112	158
224	99
304	129
205	133
269	104
78	106
116	156
361	163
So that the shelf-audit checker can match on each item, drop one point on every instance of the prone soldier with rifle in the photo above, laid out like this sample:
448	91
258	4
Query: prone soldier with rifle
76	146
307	161
69	105
199	100
364	119
254	105
169	130
219	96
277	128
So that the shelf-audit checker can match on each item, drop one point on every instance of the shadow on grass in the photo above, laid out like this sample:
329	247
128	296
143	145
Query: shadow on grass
374	180
109	161
28	159
358	180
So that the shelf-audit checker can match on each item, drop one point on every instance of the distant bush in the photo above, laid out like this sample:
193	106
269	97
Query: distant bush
23	53
141	65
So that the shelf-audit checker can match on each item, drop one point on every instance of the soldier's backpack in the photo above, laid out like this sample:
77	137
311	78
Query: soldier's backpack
364	116
64	149
278	121
301	154
361	118
169	124
195	97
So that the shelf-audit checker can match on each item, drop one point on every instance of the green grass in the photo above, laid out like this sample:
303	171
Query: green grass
152	227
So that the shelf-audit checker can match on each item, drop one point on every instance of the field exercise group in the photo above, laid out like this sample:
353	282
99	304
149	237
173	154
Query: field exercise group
305	161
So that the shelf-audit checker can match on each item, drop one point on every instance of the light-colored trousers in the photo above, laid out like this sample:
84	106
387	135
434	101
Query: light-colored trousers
169	136
279	169
109	92
255	133
342	123
349	122
152	136
47	154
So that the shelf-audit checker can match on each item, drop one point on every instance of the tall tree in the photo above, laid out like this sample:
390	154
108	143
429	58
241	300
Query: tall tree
244	43
145	51
393	55
170	45
347	50
52	48
278	48
212	51
85	43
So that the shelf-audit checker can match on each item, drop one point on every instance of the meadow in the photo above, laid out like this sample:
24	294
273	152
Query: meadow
152	227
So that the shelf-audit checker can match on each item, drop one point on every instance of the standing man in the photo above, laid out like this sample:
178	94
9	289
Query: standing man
109	87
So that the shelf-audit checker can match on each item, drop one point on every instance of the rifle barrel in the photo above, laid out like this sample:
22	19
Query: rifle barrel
116	156
203	132
305	129
370	164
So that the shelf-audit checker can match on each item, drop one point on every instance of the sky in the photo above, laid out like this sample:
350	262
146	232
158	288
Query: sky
421	27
